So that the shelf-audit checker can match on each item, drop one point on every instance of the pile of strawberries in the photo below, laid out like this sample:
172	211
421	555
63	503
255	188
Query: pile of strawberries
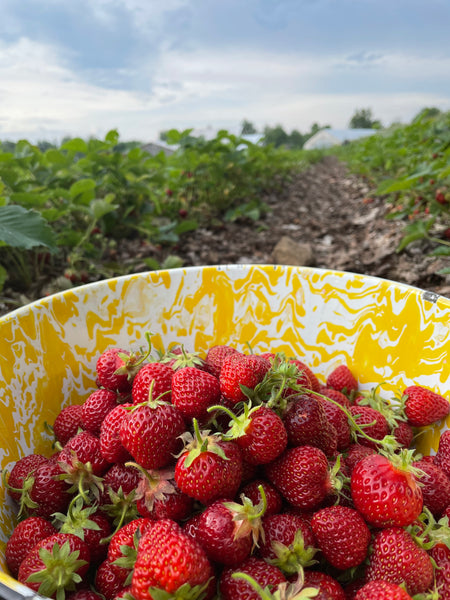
236	476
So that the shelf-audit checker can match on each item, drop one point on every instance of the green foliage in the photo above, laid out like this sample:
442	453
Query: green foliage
410	166
86	196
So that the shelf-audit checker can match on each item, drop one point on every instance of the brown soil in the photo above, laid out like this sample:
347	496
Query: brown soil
326	207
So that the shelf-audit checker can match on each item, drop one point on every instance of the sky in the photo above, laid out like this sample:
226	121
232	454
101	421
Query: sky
80	68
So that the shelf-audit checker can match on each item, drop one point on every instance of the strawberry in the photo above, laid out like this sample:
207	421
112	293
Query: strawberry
435	487
84	594
111	446
274	502
403	434
342	535
386	491
194	391
335	395
87	523
395	557
382	590
208	468
151	381
343	380
442	457
339	420
84	447
55	564
151	433
158	497
424	407
263	573
228	531
303	368
355	453
21	470
372	421
215	357
167	559
26	534
307	424
122	548
238	370
301	475
259	432
95	408
112	372
288	542
67	423
107	582
325	582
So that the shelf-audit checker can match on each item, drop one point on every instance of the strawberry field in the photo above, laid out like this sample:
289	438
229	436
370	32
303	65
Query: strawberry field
92	209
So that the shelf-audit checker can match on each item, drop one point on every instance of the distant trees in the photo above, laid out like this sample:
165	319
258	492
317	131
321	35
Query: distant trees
247	128
362	119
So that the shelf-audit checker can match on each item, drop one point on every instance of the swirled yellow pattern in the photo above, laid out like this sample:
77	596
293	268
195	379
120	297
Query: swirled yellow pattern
385	331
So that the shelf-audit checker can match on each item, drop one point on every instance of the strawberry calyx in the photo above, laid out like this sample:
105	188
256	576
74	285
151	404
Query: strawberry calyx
376	401
199	443
247	517
25	502
290	559
122	509
427	532
184	592
132	362
283	591
154	485
81	478
60	572
238	423
129	555
76	520
178	358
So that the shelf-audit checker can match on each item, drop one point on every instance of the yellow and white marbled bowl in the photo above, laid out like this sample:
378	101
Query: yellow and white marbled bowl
385	331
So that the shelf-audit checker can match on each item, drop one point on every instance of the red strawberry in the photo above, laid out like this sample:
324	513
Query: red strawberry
215	357
194	391
374	425
107	582
21	470
241	370
67	423
259	432
307	424
263	573
84	594
343	380
112	372
385	491
122	548
424	407
301	475
403	434
228	531
251	490
395	557
84	447
111	445
313	381
382	590
95	408
342	535
168	559
435	486
338	418
288	542
25	536
442	457
158	497
151	433
55	564
326	583
151	381
87	523
335	395
355	453
209	468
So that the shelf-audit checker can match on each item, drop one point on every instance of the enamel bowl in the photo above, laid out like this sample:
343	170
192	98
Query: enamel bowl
385	331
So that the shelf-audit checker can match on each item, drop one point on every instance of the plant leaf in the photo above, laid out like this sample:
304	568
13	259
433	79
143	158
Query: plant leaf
22	228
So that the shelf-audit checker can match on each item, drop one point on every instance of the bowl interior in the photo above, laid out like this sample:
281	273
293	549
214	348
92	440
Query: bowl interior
385	331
